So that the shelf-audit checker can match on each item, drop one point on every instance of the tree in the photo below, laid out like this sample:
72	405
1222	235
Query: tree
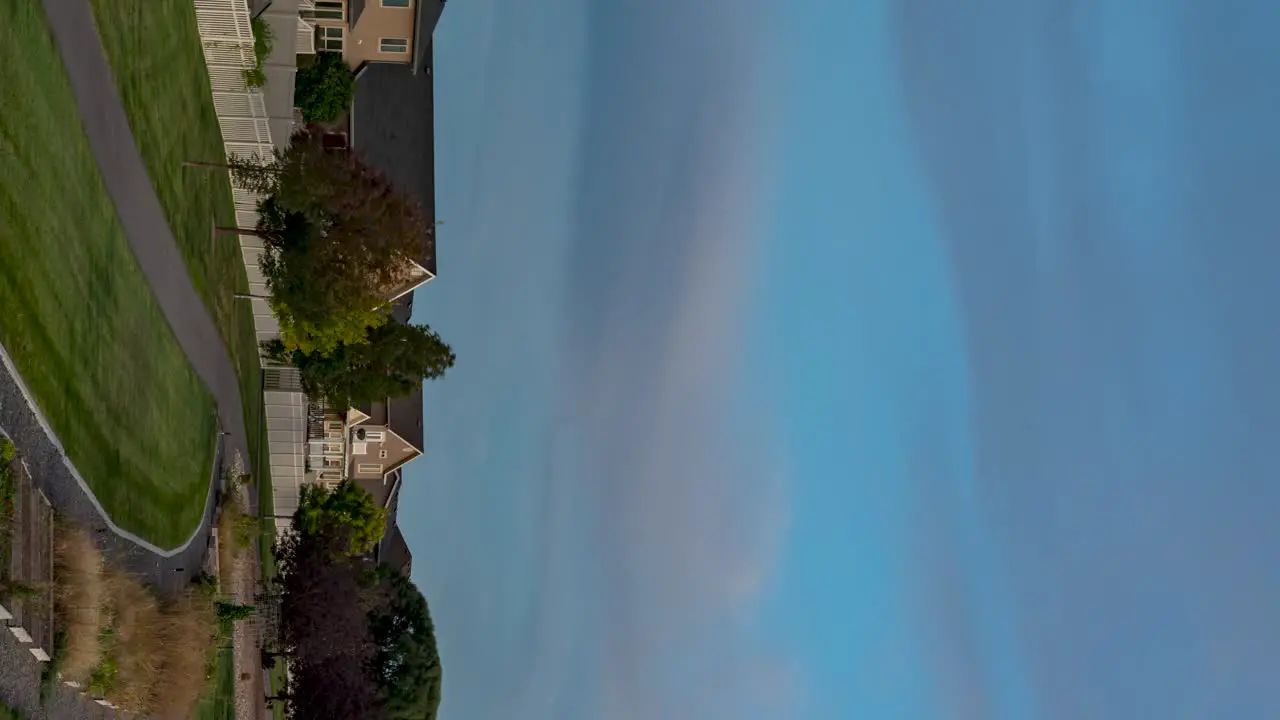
230	612
336	688
346	326
326	598
406	665
347	506
339	239
393	362
323	90
325	594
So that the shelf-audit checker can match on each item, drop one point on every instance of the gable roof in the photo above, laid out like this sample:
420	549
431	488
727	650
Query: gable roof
393	129
354	9
404	418
424	27
393	551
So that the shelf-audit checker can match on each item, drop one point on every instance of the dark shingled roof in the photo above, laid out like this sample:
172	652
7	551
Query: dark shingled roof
428	15
393	129
404	417
394	551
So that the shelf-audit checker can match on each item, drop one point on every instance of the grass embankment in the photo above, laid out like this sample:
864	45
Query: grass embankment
78	317
154	50
158	65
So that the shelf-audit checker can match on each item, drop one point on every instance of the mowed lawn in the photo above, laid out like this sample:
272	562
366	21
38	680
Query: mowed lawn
219	703
154	51
76	314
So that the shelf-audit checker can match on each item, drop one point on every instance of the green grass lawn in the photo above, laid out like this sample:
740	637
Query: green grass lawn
220	704
76	314
155	55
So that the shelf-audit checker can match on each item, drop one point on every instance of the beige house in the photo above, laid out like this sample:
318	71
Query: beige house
375	31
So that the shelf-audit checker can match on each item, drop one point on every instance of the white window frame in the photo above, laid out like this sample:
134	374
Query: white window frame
367	468
332	462
330	7
382	454
325	39
397	50
371	436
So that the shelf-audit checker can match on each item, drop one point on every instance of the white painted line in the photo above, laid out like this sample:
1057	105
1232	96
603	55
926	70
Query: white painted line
22	635
40	654
5	615
84	487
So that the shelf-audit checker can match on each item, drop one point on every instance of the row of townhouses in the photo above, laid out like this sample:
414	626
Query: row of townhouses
391	124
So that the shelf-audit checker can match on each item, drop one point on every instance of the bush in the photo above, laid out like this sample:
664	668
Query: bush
262	44
115	635
81	595
324	89
231	612
7	451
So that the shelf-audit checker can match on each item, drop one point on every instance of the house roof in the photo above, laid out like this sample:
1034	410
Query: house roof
402	308
404	418
393	129
354	9
424	27
394	551
392	548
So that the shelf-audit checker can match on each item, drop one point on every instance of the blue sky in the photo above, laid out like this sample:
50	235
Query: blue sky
829	360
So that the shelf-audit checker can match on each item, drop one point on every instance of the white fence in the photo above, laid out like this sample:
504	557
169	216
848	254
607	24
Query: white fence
226	34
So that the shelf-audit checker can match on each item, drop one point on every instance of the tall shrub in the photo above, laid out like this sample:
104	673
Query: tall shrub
324	89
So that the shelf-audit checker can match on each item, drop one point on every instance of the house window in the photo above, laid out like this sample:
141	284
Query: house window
333	448
332	426
382	454
374	436
331	39
333	462
330	10
393	45
369	468
395	3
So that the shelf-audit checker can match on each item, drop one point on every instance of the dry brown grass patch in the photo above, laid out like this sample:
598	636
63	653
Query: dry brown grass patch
81	595
189	632
137	644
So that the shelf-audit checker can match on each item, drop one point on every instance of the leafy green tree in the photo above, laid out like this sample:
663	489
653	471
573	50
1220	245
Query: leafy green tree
393	362
347	326
347	505
324	89
339	239
407	663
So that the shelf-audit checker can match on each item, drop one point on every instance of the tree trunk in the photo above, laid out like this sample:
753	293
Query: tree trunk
239	231
201	163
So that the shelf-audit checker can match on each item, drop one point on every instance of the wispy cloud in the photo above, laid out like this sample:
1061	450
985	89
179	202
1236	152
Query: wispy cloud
674	501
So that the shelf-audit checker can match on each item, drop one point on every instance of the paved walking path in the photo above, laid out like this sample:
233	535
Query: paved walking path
105	123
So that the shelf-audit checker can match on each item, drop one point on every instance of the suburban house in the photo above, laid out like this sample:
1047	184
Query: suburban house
375	31
368	444
391	125
393	550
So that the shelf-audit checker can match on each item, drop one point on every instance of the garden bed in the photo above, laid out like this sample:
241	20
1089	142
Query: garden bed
26	551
